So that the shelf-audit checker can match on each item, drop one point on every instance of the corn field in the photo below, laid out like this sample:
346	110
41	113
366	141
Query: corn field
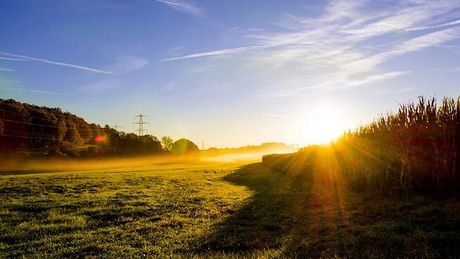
416	150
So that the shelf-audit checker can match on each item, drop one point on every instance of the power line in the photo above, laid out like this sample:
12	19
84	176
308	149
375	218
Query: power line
141	123
117	126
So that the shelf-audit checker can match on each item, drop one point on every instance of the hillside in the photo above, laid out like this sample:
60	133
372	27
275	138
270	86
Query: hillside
31	128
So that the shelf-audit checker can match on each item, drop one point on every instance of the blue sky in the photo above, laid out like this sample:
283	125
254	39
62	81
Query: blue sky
229	73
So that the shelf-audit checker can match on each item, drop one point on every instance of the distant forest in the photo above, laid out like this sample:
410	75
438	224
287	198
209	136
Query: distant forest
30	128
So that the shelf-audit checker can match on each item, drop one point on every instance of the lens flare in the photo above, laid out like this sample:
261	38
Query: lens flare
99	139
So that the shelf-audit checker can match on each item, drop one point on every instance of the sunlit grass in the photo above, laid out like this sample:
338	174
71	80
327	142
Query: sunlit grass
216	210
144	211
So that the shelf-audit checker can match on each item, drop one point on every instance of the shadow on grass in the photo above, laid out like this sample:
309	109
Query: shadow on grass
282	212
290	216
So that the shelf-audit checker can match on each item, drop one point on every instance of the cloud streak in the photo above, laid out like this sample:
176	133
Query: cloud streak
13	59
456	22
183	6
32	91
211	53
348	40
27	58
128	64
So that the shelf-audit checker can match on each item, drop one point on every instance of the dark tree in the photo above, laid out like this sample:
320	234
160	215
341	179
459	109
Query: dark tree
150	144
72	135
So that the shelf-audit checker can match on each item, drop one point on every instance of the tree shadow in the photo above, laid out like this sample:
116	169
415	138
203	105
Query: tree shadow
268	217
313	214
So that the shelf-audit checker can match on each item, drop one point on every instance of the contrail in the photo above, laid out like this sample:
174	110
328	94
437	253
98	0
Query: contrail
14	59
27	58
32	91
210	53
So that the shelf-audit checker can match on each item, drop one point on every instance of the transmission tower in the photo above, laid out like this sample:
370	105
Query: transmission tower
141	123
117	127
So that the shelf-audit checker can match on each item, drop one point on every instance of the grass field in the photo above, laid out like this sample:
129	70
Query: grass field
213	210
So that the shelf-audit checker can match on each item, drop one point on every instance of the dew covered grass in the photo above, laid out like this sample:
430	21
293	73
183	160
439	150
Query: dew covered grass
214	210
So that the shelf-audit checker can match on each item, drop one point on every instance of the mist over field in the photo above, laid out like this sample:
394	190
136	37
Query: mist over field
386	189
229	129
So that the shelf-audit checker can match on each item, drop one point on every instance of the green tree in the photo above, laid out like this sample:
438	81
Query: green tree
167	143
184	146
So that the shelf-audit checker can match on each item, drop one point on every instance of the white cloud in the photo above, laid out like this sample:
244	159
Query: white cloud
411	45
345	46
428	40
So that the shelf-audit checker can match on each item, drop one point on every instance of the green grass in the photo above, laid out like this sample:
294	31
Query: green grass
214	210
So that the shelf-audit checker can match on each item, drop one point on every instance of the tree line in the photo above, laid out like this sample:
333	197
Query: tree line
31	128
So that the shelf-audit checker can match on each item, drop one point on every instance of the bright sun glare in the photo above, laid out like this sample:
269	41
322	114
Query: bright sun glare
325	127
325	132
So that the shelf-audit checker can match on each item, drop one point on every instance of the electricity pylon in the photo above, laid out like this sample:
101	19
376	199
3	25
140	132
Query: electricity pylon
141	123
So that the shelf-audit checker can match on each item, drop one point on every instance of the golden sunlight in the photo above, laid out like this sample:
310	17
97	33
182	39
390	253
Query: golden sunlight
325	126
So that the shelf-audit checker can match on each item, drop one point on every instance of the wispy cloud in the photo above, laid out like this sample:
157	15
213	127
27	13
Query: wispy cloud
411	45
27	58
13	59
183	6
345	45
374	78
100	87
32	91
7	69
210	53
127	64
437	26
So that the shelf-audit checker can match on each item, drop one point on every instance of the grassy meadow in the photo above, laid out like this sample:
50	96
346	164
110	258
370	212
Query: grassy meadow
215	210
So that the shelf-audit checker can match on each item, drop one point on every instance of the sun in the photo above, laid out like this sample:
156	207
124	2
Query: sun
320	123
324	131
325	126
